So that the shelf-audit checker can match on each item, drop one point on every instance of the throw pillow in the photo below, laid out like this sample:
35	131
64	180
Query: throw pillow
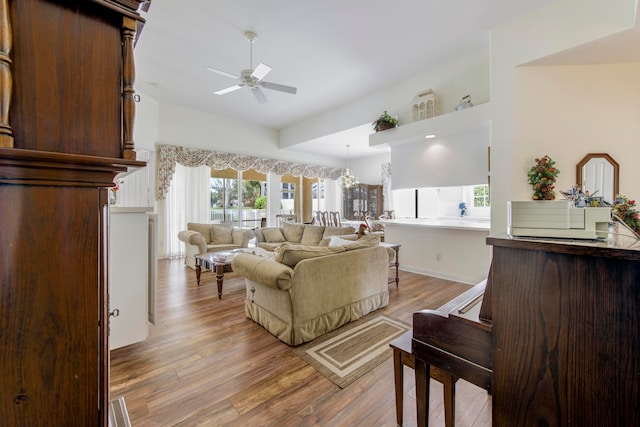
291	255
349	245
337	241
221	235
273	235
200	228
312	235
292	232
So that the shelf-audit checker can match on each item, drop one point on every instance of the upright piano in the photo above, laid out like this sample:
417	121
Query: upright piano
563	345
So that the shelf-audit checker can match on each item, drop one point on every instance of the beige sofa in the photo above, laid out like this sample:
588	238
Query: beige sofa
270	238
302	292
201	238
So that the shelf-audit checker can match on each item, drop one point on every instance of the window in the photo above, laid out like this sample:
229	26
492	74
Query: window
317	190
481	196
225	196
288	191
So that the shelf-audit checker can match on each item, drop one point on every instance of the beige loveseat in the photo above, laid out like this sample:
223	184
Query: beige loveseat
270	238
201	238
302	292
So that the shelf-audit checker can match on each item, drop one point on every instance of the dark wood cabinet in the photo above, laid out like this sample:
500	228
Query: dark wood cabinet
66	116
362	200
566	332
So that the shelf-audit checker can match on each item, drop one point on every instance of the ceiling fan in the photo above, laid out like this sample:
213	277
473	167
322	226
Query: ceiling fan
252	78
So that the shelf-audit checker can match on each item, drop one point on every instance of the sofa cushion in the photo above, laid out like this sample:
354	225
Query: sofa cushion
203	229
290	254
312	235
338	231
292	232
273	235
221	234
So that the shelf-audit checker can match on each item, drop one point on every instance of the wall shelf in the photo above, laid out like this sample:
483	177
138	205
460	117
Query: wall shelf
474	118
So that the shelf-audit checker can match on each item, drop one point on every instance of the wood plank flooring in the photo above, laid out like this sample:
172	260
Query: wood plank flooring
206	364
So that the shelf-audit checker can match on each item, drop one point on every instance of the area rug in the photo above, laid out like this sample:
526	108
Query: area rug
349	352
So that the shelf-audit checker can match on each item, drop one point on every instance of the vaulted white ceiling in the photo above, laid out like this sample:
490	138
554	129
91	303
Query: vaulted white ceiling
333	51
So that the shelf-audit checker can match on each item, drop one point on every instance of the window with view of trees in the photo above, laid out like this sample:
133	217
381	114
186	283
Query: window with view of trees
225	196
481	196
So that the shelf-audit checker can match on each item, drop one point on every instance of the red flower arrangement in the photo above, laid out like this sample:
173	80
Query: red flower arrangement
542	177
625	210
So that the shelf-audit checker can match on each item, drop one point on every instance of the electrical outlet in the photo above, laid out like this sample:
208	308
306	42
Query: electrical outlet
438	257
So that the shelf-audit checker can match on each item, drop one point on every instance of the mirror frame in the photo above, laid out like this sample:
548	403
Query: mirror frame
616	169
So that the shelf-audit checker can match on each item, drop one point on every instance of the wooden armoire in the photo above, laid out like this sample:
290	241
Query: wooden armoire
66	125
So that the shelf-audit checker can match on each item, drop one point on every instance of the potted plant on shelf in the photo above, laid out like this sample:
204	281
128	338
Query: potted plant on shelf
385	121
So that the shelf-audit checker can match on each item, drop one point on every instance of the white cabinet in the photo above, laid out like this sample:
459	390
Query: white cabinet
128	275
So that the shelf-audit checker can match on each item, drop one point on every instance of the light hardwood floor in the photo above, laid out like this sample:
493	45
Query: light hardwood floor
206	364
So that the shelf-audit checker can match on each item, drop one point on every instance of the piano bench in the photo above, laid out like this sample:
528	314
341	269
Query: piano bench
402	357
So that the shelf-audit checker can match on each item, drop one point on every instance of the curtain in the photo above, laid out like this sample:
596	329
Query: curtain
187	200
170	155
387	198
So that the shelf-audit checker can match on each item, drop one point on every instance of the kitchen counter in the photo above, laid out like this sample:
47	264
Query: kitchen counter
471	224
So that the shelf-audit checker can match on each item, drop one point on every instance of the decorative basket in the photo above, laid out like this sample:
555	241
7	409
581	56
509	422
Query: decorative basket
385	126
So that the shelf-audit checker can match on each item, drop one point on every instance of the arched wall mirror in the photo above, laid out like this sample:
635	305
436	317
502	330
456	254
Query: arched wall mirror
599	174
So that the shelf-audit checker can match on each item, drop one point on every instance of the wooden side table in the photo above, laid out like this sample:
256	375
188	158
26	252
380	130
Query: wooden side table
402	357
396	261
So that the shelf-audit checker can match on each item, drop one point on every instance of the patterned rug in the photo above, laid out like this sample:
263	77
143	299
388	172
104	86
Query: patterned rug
349	352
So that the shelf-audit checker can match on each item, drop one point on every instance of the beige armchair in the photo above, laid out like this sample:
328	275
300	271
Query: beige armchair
201	238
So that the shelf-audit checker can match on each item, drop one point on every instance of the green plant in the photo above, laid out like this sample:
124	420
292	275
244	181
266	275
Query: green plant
385	121
542	176
261	202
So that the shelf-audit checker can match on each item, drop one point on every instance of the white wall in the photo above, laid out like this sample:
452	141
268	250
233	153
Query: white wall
137	189
559	26
368	170
467	75
451	254
146	130
192	128
594	109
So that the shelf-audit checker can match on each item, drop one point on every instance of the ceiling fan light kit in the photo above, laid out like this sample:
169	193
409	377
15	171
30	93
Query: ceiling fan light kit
251	78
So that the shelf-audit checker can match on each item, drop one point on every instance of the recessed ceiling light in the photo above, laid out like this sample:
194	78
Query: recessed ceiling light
431	135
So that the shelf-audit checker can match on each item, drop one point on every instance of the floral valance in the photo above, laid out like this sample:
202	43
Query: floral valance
169	155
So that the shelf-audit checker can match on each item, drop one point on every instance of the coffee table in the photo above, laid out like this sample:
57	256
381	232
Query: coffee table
220	262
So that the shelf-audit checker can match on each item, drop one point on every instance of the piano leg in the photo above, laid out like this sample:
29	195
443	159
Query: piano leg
423	376
449	383
398	376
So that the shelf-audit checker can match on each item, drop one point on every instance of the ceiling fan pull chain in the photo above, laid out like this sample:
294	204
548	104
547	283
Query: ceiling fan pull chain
251	54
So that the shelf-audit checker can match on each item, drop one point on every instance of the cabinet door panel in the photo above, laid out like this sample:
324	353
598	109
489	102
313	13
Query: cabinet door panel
50	299
67	65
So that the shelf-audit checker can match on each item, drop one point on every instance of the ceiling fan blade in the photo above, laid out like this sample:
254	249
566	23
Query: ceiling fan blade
222	73
229	89
261	71
281	88
259	94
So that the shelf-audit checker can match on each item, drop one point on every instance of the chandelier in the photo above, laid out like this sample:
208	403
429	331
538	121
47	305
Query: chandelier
347	179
